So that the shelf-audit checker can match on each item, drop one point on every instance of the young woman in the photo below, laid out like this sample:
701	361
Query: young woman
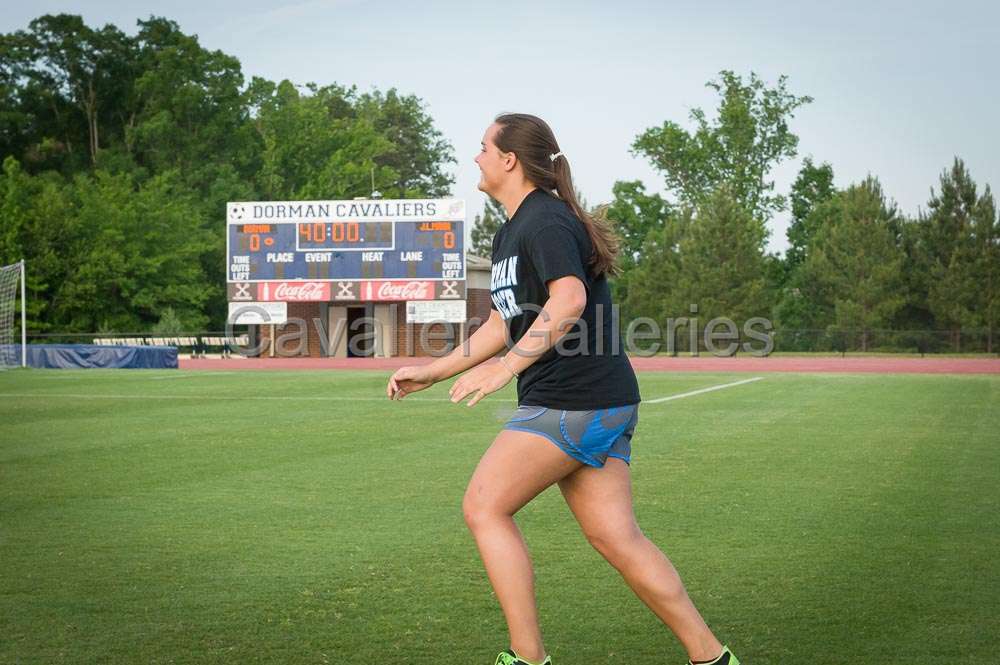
551	310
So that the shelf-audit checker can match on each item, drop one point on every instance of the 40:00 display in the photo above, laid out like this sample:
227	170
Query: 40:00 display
339	232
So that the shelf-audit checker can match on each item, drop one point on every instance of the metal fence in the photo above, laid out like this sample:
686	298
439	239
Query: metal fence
965	341
888	341
195	343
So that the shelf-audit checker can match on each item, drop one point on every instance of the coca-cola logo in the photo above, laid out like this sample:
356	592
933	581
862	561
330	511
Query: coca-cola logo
296	291
405	291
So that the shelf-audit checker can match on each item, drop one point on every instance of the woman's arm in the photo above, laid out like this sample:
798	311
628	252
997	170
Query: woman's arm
567	299
485	343
482	345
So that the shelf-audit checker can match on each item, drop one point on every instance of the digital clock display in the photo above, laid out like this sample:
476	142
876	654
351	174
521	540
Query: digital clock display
344	235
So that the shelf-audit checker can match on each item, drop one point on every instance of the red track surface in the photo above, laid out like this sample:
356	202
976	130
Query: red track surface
873	365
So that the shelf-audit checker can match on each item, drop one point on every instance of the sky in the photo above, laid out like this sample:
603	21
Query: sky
900	88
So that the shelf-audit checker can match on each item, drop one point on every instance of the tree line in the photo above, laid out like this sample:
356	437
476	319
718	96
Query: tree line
858	273
119	152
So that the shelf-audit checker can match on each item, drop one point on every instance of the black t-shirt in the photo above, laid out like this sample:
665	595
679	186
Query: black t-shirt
588	368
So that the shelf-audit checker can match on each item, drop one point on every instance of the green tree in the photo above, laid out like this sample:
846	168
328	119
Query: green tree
635	216
485	226
34	211
169	324
986	267
803	308
964	292
190	115
309	152
16	122
648	287
135	254
813	186
915	315
713	259
738	149
189	111
951	253
722	262
71	80
419	152
856	262
111	137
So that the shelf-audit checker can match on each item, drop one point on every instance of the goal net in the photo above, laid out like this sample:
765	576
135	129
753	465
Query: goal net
13	352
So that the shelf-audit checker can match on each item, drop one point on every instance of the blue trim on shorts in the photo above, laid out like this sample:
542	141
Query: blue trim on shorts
596	441
573	452
627	460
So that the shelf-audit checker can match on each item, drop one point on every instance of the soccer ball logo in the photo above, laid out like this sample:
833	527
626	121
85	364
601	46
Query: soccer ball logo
237	212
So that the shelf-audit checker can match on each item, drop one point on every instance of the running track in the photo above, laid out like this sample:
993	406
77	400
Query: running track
866	365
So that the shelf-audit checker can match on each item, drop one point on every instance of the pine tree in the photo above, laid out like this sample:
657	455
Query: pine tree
805	306
635	217
801	307
856	260
945	251
813	186
722	262
485	226
985	267
645	288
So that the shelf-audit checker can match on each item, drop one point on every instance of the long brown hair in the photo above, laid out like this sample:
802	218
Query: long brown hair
532	140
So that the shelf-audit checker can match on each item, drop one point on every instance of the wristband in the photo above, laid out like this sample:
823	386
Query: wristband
503	361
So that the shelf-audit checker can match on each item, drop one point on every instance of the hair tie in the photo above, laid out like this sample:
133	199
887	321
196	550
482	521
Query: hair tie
553	156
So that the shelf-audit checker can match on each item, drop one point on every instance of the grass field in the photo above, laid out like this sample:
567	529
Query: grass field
195	517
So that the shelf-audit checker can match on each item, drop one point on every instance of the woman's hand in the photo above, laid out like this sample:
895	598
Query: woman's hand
411	379
483	380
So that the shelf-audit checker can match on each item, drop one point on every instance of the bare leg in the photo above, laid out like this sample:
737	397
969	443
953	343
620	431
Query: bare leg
515	469
601	501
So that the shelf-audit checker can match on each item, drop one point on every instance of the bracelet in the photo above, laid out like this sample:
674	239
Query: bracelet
503	361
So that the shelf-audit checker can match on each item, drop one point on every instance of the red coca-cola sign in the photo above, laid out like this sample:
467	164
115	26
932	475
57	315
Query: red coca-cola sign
293	291
398	290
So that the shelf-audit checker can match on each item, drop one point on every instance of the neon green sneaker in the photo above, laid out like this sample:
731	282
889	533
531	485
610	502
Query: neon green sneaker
725	658
508	657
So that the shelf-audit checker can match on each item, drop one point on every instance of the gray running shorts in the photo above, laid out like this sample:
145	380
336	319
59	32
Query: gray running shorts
588	436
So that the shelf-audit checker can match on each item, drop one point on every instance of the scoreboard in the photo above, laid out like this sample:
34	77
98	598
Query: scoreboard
403	246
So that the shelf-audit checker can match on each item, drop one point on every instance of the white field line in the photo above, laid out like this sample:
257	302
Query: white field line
238	398
319	398
184	376
702	390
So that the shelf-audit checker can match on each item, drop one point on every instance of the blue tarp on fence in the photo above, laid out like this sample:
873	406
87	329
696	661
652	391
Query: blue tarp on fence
76	356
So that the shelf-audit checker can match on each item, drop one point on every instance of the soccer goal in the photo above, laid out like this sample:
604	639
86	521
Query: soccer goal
11	353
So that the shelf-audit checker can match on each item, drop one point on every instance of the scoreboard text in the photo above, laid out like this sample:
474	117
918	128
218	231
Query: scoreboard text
346	240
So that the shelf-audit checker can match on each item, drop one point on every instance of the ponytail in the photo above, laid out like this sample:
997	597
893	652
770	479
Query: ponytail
604	259
531	139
